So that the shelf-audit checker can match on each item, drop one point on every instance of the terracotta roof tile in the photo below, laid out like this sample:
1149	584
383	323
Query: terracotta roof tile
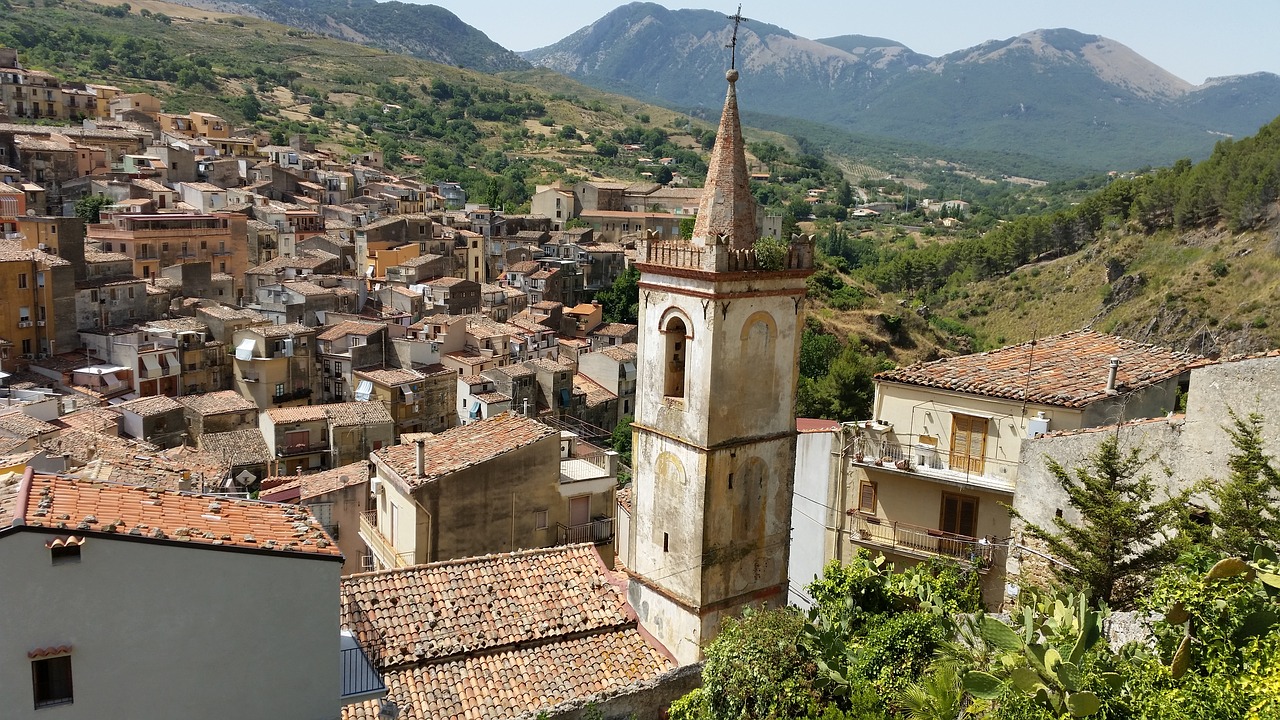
459	607
18	424
595	392
623	353
1068	370
301	413
464	446
519	682
303	487
104	509
150	406
390	376
236	447
357	412
615	330
215	403
350	327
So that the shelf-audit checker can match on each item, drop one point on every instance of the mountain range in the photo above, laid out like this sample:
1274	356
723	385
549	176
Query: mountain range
428	32
1059	94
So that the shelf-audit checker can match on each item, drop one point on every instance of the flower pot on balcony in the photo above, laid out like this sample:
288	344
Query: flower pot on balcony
858	457
903	465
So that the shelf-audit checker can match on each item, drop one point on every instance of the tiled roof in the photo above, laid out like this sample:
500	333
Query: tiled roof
457	607
9	485
464	446
285	330
236	447
302	287
513	371
301	413
1068	370
445	282
303	487
357	413
596	393
150	406
390	376
474	379
519	682
214	403
623	353
490	398
527	266
18	424
350	327
94	508
623	496
615	330
547	365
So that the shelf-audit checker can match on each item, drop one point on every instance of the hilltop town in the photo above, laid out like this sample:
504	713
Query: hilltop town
287	434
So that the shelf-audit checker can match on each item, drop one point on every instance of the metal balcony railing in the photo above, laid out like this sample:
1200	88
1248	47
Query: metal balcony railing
359	676
303	448
597	531
381	547
917	540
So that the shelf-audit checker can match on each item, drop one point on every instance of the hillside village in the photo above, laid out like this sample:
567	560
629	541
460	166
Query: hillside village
351	440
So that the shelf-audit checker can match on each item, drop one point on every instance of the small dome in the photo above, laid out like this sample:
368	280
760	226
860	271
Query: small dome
731	75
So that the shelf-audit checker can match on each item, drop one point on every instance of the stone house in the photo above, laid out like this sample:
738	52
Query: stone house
491	486
337	498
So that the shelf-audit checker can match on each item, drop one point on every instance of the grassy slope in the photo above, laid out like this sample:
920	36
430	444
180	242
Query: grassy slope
1207	291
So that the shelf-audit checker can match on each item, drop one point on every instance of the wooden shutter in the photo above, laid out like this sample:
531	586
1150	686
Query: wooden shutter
867	498
968	443
959	515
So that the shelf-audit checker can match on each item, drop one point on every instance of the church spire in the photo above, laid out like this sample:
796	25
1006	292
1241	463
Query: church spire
727	208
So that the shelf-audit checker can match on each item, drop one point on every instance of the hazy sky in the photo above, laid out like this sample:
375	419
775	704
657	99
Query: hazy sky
1193	39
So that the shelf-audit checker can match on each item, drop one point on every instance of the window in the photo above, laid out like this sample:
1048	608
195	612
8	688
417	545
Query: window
959	515
676	339
51	681
539	519
22	281
867	498
968	443
279	389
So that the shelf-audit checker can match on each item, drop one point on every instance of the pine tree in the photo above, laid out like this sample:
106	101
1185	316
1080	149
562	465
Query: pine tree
1246	502
1122	537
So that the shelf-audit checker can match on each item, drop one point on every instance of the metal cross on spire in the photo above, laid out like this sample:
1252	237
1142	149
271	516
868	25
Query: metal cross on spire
733	43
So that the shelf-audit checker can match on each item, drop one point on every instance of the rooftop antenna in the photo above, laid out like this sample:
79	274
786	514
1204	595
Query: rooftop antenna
1031	355
733	43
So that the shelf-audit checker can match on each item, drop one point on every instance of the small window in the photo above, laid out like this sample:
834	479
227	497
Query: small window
51	681
867	498
540	520
666	542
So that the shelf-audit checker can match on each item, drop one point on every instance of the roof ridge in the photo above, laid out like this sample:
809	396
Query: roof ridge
524	552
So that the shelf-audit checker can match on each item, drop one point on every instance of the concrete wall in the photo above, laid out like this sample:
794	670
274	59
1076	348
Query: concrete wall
172	631
816	501
1178	451
489	508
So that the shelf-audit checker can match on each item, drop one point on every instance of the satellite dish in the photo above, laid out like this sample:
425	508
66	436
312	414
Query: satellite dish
31	212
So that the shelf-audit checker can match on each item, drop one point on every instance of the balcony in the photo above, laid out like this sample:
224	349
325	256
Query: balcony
299	394
381	547
303	448
361	681
929	462
921	542
598	531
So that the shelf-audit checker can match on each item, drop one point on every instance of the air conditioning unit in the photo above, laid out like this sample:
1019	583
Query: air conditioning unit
40	323
41	246
24	324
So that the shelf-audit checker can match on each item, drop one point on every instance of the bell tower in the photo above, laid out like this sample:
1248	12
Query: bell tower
715	424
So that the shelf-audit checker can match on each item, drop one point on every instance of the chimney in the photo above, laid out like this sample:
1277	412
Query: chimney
419	457
1111	375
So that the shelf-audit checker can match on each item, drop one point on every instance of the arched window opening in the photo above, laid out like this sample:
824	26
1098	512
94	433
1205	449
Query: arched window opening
676	350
